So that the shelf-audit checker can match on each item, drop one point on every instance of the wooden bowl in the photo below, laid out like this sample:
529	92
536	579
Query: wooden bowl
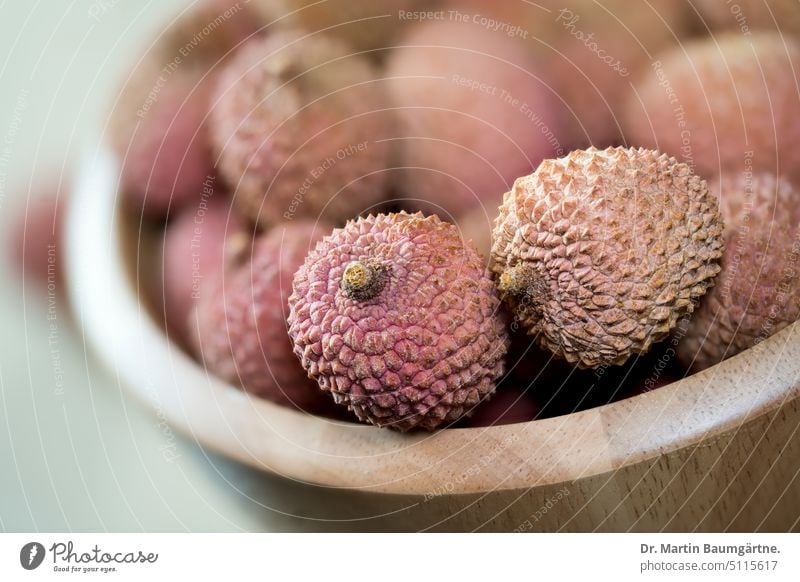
716	451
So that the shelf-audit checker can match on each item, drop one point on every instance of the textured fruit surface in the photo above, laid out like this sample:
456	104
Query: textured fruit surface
601	252
240	323
758	292
157	124
714	103
298	125
158	132
194	250
474	113
422	343
592	50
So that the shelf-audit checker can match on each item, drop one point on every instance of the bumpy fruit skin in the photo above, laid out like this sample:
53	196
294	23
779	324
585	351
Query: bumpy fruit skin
713	101
474	112
758	292
194	250
298	126
157	127
239	321
160	140
428	344
600	253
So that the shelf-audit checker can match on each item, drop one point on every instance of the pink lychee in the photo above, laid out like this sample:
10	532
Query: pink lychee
300	127
474	113
239	322
399	320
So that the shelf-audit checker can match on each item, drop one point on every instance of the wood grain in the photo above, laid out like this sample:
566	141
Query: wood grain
716	451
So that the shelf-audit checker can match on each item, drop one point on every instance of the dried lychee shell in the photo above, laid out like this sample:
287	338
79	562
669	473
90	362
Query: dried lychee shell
399	320
758	292
600	253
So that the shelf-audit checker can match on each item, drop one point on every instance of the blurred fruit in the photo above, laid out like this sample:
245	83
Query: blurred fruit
473	115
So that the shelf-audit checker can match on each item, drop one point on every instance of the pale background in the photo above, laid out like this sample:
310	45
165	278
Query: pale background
88	458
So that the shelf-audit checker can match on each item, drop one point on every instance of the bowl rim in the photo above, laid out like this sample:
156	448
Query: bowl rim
347	455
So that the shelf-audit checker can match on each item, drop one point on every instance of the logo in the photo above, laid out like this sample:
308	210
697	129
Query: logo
31	555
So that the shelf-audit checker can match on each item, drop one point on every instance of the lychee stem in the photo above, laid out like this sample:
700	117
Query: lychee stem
363	281
515	280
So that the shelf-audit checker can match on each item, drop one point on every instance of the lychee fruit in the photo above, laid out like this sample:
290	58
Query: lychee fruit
744	16
474	112
300	127
593	50
239	321
601	252
599	50
399	320
157	124
758	292
194	250
365	25
161	144
715	103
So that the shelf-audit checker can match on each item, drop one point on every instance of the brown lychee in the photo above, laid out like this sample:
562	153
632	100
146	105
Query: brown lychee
399	320
300	127
239	321
758	292
715	103
600	253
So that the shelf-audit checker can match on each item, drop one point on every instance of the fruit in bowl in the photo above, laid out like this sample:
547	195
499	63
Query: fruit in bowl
395	316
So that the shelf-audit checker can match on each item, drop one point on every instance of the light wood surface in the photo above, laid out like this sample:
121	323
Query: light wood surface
716	451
